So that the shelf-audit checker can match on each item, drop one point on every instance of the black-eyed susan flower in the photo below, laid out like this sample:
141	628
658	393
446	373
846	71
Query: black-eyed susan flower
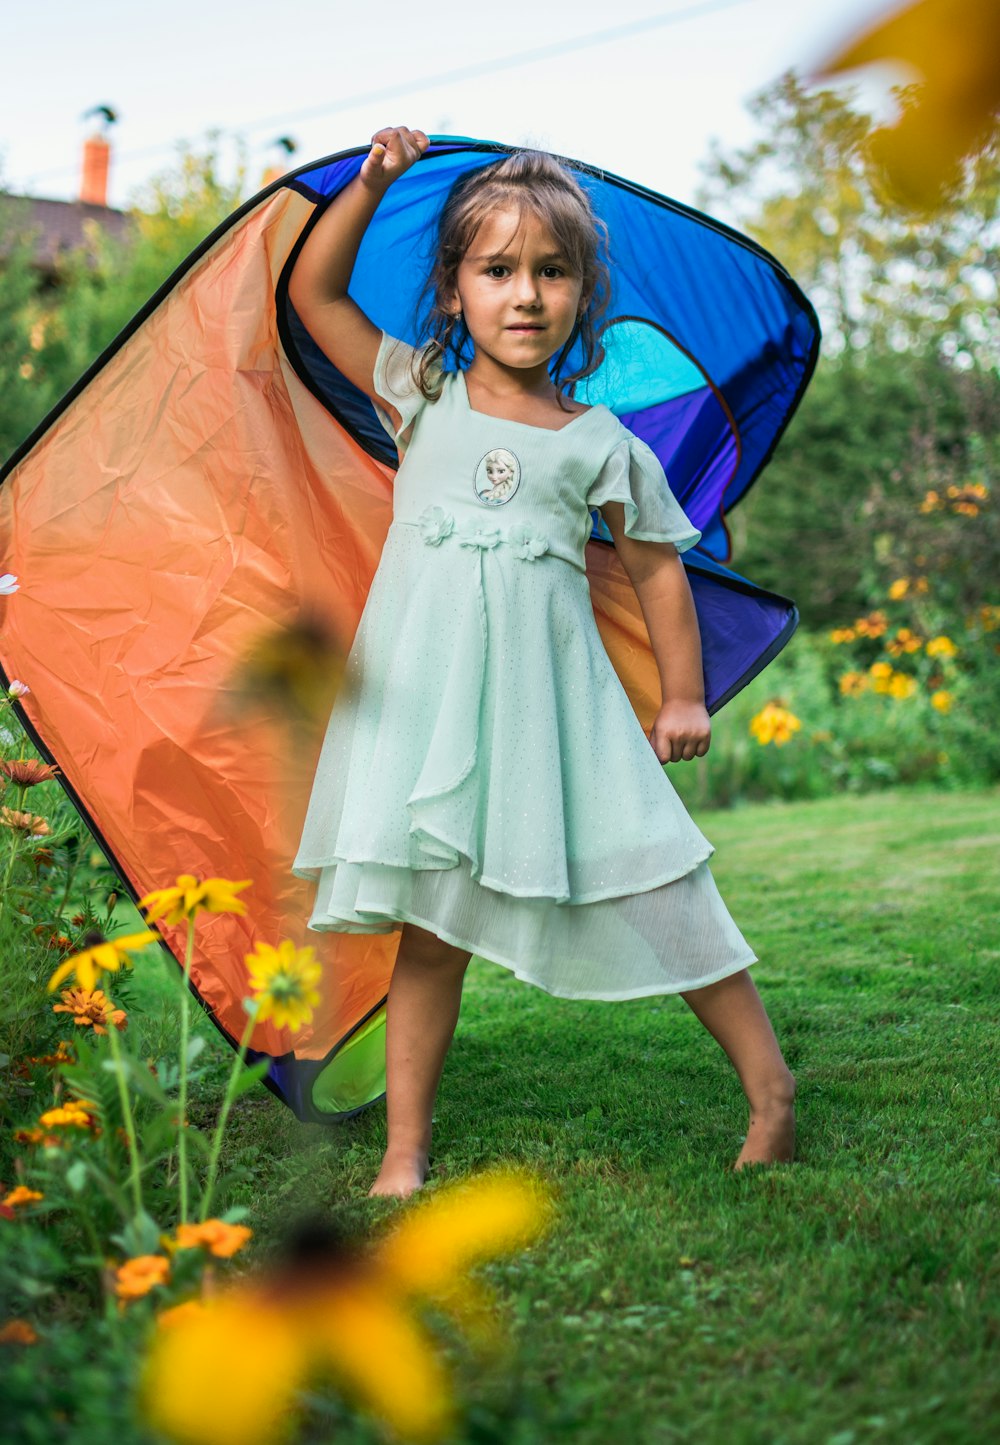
283	981
189	897
953	45
226	1371
103	955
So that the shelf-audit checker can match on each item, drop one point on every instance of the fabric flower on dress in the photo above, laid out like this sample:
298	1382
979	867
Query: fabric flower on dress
474	534
527	544
435	524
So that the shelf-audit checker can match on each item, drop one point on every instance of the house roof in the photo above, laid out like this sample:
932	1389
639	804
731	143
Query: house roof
59	225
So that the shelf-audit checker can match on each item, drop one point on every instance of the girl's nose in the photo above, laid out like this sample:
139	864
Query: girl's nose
526	286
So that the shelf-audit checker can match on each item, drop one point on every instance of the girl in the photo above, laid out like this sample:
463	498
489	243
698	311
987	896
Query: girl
455	794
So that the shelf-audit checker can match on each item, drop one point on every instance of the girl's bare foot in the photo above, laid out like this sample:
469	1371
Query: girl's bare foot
771	1135
401	1173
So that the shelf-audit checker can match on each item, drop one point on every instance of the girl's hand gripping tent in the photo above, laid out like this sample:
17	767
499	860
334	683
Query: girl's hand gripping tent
213	476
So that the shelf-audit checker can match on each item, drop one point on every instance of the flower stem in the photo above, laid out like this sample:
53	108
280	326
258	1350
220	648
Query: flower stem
182	1101
133	1143
224	1115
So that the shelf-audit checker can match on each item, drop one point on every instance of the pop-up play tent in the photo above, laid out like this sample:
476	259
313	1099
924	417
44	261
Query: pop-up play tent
212	477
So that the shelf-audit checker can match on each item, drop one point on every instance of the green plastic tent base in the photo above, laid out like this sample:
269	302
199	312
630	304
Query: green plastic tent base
355	1076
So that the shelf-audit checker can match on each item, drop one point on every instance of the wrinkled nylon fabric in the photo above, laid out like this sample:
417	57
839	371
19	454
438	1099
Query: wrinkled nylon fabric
192	496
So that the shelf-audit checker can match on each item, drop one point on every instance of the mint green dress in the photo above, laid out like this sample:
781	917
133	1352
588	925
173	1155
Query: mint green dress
483	774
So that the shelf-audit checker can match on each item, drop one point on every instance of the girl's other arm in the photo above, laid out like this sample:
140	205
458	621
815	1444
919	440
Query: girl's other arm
319	281
682	729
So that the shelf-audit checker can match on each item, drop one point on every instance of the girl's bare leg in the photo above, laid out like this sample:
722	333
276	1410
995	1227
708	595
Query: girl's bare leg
425	995
734	1015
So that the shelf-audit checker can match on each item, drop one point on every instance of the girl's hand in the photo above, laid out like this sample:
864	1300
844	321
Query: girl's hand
682	731
394	150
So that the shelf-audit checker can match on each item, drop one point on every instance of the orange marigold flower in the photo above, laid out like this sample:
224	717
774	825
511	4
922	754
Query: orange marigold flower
72	1115
24	822
219	1238
842	634
136	1277
873	625
853	682
26	772
91	1007
22	1195
17	1332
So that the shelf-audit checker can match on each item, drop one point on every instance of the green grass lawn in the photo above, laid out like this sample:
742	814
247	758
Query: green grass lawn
850	1296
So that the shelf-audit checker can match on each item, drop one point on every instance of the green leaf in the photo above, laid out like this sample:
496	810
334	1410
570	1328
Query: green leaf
76	1175
194	1048
249	1077
140	1236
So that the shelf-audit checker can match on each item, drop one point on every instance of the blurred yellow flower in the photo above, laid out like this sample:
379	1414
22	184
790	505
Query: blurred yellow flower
225	1371
138	1276
842	634
904	641
283	981
219	1238
943	700
873	625
902	685
881	669
899	588
941	646
989	618
931	502
852	683
774	724
71	1115
21	1194
189	897
953	45
107	956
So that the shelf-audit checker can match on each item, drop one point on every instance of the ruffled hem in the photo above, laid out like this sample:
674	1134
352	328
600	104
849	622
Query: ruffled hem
670	938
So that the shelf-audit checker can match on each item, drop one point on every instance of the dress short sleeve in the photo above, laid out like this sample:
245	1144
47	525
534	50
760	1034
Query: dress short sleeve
633	475
397	366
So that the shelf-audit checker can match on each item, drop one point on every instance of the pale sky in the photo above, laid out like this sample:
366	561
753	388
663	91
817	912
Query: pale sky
592	81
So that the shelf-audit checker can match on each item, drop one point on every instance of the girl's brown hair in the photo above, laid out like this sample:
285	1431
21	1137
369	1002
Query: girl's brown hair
531	181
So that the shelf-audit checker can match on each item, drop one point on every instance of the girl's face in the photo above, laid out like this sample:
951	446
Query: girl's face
518	295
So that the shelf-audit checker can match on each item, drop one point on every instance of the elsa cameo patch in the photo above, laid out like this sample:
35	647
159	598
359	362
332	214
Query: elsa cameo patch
498	477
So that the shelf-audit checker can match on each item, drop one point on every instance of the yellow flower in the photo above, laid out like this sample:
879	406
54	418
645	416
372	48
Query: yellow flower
940	647
931	502
873	625
899	588
22	1195
953	45
90	1007
220	1239
902	685
107	956
881	669
138	1276
774	723
226	1372
72	1115
189	897
842	634
943	700
852	683
283	982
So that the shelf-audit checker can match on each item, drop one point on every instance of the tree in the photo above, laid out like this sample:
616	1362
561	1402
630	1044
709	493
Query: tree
809	192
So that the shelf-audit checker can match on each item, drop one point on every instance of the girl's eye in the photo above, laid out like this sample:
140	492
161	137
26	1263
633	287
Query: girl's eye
492	270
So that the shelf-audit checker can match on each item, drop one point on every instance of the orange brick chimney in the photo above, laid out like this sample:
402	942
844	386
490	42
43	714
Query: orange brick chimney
96	160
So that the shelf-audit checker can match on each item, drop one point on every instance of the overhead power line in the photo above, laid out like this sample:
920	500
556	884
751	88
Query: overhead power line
454	76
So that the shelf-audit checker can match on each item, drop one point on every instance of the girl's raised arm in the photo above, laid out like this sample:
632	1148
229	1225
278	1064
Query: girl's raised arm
318	285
